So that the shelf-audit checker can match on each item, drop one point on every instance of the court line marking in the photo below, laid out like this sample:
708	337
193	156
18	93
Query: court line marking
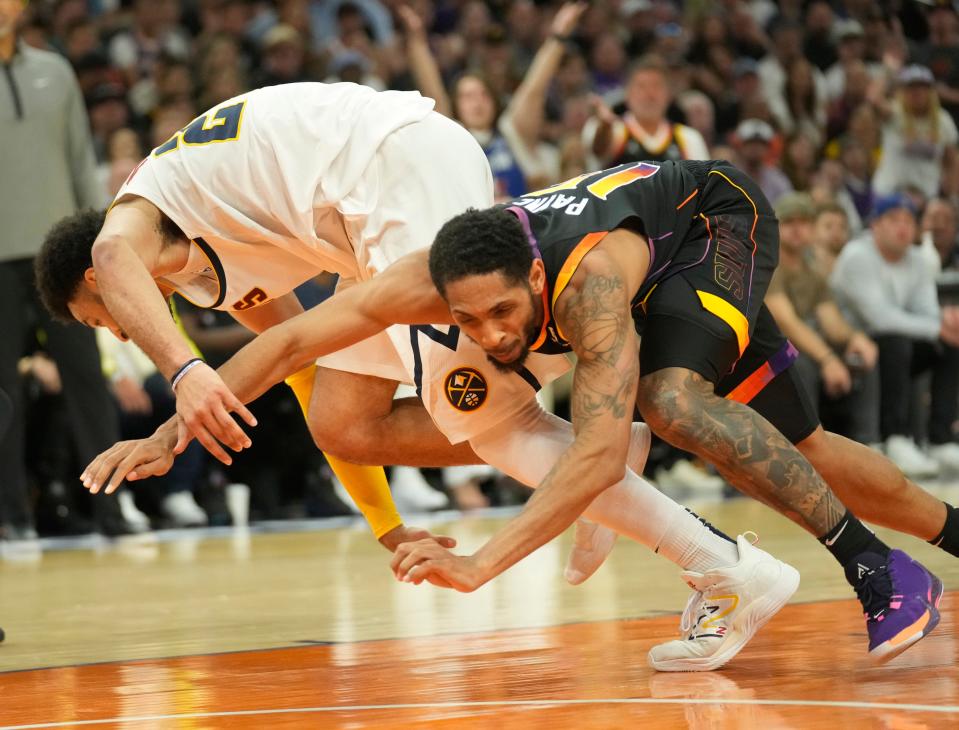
942	709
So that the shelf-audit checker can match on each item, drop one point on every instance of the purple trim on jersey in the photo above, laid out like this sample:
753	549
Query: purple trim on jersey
523	217
784	358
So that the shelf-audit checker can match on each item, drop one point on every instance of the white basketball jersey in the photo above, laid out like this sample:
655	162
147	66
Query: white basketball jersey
269	185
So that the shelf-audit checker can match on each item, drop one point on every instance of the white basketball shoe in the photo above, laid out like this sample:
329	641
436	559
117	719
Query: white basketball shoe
592	542
729	606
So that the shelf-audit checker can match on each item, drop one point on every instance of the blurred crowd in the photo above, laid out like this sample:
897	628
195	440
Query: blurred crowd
844	112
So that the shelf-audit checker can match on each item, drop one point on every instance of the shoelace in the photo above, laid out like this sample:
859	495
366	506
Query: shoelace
874	592
690	617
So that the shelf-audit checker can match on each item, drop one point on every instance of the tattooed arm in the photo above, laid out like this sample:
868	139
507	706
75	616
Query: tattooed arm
594	314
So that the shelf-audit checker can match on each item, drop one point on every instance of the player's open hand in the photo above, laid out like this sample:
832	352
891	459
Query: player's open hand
425	560
130	460
204	405
398	535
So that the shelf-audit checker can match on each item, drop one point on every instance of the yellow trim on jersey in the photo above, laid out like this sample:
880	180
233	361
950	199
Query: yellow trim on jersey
728	314
212	115
572	262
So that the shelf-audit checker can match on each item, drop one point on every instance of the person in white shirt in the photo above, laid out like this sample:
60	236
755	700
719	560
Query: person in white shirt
886	288
918	140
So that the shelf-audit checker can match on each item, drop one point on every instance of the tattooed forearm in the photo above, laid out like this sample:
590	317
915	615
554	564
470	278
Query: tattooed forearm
597	321
681	407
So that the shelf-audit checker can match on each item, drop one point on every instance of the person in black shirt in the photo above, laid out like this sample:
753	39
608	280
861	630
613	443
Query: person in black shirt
680	253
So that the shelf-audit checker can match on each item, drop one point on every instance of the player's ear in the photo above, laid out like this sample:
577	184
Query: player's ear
537	276
90	277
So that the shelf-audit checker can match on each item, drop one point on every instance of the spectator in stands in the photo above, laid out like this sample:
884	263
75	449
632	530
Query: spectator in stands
918	140
886	288
831	233
284	57
829	187
643	132
753	140
800	110
511	140
940	226
47	171
155	31
940	53
836	361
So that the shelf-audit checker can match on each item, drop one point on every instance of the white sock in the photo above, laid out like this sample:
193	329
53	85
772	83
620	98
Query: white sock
530	444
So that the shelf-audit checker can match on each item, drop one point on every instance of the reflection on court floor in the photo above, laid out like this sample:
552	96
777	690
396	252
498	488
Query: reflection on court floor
303	626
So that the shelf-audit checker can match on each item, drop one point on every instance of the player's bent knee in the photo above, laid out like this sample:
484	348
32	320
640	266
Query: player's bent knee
662	400
350	442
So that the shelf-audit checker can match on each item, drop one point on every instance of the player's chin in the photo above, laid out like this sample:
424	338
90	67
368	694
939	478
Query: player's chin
511	365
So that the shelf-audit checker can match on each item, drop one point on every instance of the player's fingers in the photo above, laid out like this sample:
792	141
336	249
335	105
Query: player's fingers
125	471
104	469
446	541
183	436
241	410
225	430
211	445
412	560
439	581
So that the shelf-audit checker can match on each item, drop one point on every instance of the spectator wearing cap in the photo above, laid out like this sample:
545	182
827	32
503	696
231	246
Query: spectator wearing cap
918	139
47	171
885	286
836	361
940	53
283	57
850	39
754	138
643	132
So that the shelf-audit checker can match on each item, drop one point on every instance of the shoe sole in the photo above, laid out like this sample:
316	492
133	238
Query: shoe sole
756	616
889	650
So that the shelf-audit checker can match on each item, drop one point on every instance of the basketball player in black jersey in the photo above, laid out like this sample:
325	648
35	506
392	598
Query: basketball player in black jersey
681	254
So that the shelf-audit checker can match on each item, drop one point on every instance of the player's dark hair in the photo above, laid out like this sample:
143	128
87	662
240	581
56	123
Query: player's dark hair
63	259
480	242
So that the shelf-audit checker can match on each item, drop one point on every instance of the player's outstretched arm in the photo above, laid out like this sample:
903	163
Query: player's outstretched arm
594	313
403	294
126	255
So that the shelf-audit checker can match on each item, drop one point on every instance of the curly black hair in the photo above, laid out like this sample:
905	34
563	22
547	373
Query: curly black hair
64	257
480	242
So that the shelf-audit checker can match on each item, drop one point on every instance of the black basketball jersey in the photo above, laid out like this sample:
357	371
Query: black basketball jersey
564	222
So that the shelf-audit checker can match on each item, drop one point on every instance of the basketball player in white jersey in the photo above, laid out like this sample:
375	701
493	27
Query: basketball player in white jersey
270	188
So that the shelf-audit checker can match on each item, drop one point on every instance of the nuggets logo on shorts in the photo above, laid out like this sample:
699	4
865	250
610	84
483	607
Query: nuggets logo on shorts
466	389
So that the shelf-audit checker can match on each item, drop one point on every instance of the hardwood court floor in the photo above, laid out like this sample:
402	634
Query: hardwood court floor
308	629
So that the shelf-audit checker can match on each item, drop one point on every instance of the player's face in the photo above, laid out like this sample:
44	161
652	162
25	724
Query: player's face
87	308
501	316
